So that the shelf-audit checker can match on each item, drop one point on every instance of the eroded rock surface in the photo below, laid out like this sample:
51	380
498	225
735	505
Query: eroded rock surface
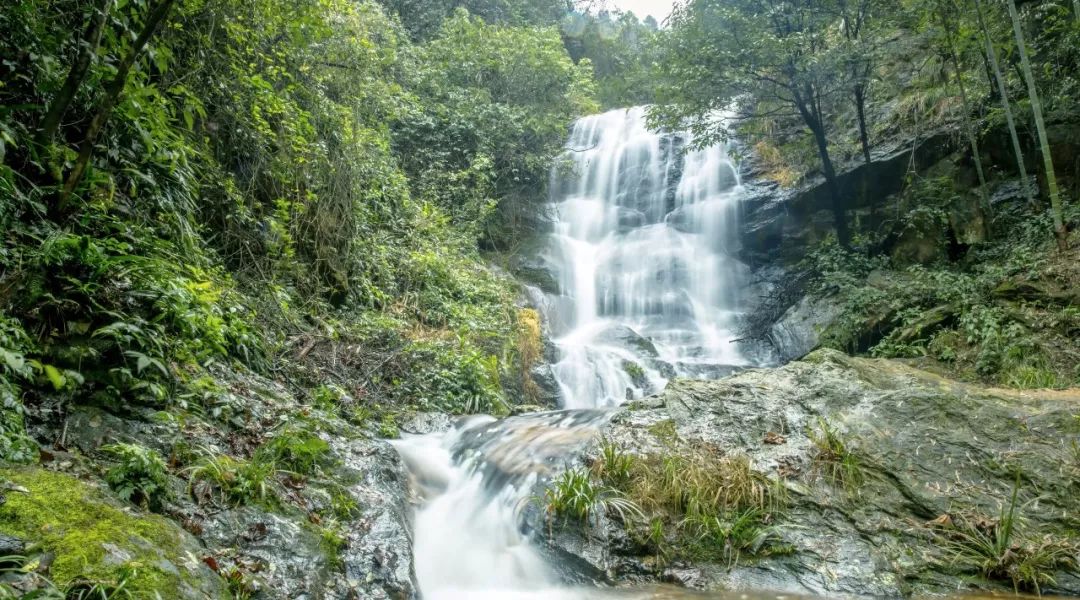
931	451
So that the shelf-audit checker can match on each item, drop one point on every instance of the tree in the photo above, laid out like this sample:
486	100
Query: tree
950	34
1003	91
776	57
113	91
88	47
493	106
1040	127
854	16
622	52
423	18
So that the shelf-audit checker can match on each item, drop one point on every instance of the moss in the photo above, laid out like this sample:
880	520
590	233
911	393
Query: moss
664	431
530	347
94	539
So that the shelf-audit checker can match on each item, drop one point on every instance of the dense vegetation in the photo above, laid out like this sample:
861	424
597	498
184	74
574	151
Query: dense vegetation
960	264
198	198
268	174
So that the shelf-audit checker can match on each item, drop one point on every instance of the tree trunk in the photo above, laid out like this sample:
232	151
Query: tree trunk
812	118
843	236
991	53
1040	127
88	46
969	128
112	95
860	110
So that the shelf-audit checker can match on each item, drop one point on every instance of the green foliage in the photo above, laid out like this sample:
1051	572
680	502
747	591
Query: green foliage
235	481
574	495
836	459
728	536
622	52
42	588
997	316
696	503
139	475
996	549
453	375
77	523
614	465
493	106
295	448
422	18
271	167
15	445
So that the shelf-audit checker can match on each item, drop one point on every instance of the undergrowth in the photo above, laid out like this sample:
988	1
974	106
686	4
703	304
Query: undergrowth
999	549
1001	315
697	503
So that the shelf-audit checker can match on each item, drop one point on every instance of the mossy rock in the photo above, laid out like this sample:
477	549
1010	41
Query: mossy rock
93	538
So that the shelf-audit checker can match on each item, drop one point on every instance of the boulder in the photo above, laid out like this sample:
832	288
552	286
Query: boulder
930	453
799	329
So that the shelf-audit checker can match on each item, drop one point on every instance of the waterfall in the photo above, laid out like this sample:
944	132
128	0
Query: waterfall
647	290
641	250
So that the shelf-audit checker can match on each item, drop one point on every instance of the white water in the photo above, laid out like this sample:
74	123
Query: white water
641	250
647	290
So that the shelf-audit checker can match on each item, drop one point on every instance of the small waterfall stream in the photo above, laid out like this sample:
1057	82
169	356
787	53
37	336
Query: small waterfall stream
647	286
647	291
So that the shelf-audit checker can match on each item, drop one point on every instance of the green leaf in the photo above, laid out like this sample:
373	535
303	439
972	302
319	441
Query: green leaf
55	377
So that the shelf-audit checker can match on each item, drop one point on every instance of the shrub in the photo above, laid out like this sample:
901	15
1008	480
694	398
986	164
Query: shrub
574	495
997	549
236	481
295	448
139	475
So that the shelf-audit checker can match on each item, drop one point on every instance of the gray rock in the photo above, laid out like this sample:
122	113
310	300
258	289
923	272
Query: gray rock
798	331
930	449
621	335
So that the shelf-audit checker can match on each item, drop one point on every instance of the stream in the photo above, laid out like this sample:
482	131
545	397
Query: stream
648	289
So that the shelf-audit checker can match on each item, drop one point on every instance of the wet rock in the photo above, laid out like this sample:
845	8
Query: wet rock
377	557
780	224
799	330
1042	290
623	336
86	533
926	446
11	545
532	265
544	378
283	555
629	219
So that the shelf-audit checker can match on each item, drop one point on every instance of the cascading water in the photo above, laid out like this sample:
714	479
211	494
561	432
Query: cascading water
641	250
647	291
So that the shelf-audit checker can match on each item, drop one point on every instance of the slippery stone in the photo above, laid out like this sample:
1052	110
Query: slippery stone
930	448
799	330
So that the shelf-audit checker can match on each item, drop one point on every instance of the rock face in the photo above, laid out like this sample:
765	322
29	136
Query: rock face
284	546
798	330
931	452
779	224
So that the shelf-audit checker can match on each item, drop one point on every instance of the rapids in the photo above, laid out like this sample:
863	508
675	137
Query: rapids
648	290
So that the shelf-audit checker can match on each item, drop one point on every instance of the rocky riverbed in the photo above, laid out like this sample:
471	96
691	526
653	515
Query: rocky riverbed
930	463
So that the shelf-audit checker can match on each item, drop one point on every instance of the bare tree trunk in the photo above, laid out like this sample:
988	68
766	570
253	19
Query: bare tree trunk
812	118
860	111
112	96
991	53
969	128
843	236
1040	127
88	46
